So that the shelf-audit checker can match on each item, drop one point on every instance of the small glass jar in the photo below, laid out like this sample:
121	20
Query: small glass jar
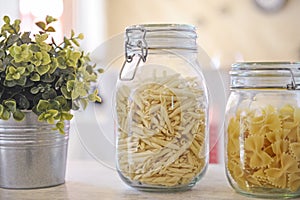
161	109
262	129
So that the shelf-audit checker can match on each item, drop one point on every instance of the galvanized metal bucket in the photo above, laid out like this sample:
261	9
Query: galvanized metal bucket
32	154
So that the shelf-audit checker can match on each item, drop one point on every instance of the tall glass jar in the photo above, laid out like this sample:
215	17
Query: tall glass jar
262	128
161	109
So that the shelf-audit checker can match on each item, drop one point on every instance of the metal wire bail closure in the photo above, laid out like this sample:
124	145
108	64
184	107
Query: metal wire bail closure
293	85
143	47
265	75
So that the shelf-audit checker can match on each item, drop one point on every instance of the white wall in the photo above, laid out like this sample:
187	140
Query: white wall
10	8
90	19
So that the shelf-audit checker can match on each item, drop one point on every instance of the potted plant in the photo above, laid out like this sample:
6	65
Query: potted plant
41	82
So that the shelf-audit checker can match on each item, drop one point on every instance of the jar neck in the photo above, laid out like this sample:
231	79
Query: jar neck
265	75
144	39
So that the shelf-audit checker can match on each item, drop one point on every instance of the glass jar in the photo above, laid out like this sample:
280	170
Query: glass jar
262	129
161	109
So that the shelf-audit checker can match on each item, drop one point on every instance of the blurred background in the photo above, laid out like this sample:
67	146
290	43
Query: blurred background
228	31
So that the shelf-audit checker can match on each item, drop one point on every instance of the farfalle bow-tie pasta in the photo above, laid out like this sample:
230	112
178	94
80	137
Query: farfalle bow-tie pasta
263	148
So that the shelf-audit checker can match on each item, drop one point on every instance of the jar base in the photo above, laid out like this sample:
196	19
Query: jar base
32	187
267	193
159	188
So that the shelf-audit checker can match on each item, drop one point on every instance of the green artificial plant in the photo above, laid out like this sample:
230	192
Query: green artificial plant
47	78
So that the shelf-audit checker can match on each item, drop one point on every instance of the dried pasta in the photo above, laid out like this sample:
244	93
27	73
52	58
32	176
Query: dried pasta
263	148
161	133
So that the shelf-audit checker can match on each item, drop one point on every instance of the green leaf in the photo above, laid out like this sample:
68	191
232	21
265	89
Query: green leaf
35	48
2	53
94	96
72	33
21	53
9	83
26	37
50	94
98	99
18	115
59	82
10	104
42	69
5	115
6	19
84	103
74	56
66	116
21	81
11	70
67	41
61	62
29	84
60	125
70	85
30	68
54	105
41	25
65	92
12	39
34	90
16	25
22	102
47	78
2	67
100	70
21	70
49	116
53	65
80	36
42	105
75	42
15	76
1	109
76	93
41	117
50	19
62	101
75	105
41	38
50	29
35	77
